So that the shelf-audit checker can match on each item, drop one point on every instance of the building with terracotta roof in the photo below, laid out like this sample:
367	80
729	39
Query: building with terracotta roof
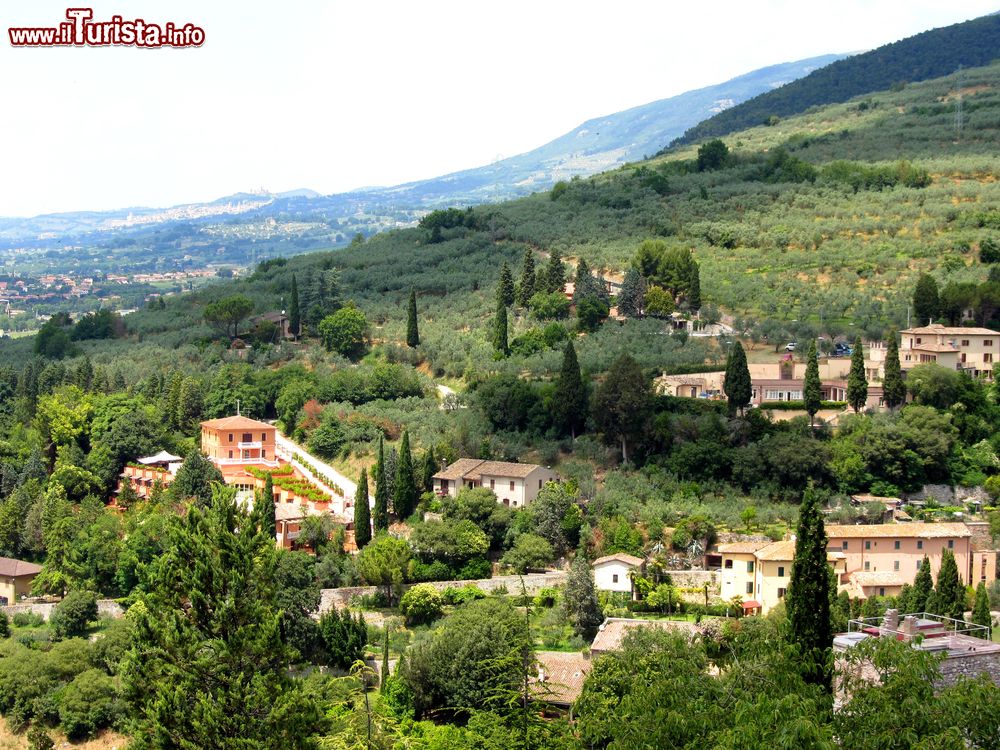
971	349
239	441
560	677
614	629
514	484
15	579
613	572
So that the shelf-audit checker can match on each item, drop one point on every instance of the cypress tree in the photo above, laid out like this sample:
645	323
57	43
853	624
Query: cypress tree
526	286
923	587
857	382
384	677
949	594
808	599
981	611
195	478
294	313
580	598
412	334
893	387
404	499
362	512
427	471
926	299
265	507
555	273
631	294
500	344
380	518
505	289
737	385
812	393
569	404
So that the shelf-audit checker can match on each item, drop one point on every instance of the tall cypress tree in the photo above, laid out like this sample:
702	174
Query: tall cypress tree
362	512
526	286
631	294
923	587
737	384
555	273
692	282
981	611
857	382
893	387
505	287
265	507
405	496
569	404
294	313
812	393
380	518
926	299
412	334
500	343
580	598
808	599
427	471
949	594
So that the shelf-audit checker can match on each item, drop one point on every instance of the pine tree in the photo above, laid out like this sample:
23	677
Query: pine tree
213	592
923	587
264	505
580	598
555	274
526	286
949	593
294	313
808	598
380	518
189	405
893	387
857	382
412	334
812	393
569	404
981	611
505	289
693	294
427	471
171	406
926	299
631	294
622	403
195	478
500	343
404	499
362	512
737	384
127	497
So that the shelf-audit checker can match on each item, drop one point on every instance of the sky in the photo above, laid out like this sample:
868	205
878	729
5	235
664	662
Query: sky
338	95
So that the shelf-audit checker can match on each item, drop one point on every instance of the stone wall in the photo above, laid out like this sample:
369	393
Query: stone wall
341	597
970	665
105	608
698	579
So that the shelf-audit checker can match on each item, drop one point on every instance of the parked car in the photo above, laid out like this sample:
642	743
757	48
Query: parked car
790	346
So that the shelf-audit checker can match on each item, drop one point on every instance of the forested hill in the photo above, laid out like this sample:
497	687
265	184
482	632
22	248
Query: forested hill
931	54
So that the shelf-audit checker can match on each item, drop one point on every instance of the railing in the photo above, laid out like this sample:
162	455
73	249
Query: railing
255	444
239	461
927	624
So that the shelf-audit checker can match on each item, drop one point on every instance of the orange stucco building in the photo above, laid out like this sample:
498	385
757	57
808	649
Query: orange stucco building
238	441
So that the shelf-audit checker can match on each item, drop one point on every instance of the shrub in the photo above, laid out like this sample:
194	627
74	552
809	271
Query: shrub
4	626
38	738
74	613
421	604
87	704
467	593
475	569
546	597
28	620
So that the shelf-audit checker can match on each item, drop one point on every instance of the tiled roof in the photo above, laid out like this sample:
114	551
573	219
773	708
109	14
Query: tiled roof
777	551
877	578
907	530
459	469
619	557
742	548
611	633
562	675
474	468
11	568
236	423
937	328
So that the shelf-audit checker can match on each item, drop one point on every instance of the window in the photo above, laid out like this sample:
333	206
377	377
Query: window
493	484
881	591
987	342
749	566
749	587
965	342
843	544
781	571
895	545
868	544
868	565
920	544
230	454
962	357
614	578
230	437
918	339
728	565
263	437
511	485
263	453
951	544
987	357
781	593
247	437
895	564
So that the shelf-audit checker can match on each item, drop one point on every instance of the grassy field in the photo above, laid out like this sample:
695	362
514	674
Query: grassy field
105	741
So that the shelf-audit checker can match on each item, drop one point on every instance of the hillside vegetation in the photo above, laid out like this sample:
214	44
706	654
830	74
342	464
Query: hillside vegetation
931	54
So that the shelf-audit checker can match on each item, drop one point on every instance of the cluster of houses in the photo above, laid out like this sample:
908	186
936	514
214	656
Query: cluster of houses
965	349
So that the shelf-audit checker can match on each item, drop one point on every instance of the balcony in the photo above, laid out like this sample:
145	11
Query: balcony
250	446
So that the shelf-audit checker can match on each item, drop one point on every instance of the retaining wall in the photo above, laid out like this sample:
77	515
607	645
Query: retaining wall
105	608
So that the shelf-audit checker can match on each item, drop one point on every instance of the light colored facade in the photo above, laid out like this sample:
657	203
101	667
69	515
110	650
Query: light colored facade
515	485
955	347
613	572
238	441
15	579
739	570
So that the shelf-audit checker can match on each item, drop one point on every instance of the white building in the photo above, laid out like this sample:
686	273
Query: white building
612	572
515	485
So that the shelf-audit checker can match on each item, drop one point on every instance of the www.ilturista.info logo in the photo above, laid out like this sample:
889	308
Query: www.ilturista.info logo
81	31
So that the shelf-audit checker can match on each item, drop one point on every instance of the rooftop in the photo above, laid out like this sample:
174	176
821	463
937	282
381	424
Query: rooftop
742	548
11	568
560	676
473	468
777	551
619	557
937	328
890	530
611	633
236	423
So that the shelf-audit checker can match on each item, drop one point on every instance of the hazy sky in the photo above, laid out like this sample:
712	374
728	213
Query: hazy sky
336	95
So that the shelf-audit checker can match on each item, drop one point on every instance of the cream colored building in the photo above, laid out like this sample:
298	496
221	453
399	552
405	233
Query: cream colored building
613	572
515	485
973	350
15	579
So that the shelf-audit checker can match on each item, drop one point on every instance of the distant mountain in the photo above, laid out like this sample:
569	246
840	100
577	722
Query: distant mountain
599	144
927	55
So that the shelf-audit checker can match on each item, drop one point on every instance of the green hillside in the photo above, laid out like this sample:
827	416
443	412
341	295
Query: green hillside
927	55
